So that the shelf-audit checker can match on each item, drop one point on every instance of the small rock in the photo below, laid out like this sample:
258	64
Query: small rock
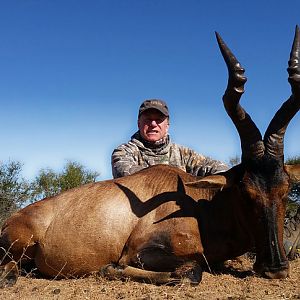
56	291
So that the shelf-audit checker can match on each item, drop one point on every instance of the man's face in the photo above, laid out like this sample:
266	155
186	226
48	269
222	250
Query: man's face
153	125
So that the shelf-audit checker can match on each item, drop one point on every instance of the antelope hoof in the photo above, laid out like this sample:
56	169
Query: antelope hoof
191	274
111	271
8	274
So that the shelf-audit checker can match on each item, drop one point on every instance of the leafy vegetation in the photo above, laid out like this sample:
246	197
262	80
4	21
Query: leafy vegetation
50	183
15	191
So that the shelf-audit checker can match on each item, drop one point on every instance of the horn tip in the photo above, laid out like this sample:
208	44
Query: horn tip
297	36
297	30
219	39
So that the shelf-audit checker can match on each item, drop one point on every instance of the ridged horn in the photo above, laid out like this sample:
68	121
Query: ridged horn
250	136
274	136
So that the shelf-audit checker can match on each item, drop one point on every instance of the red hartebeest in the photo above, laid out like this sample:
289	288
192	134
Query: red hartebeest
162	224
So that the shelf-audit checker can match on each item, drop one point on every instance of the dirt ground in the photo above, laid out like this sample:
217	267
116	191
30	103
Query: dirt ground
235	281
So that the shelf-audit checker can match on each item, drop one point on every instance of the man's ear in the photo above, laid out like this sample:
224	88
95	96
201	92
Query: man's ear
138	122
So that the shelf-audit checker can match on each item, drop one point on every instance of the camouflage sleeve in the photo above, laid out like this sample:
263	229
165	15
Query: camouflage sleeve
124	161
200	165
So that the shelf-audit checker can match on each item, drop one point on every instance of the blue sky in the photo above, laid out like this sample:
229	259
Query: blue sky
73	74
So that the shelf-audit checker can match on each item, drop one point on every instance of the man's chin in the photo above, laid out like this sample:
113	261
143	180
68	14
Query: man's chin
152	138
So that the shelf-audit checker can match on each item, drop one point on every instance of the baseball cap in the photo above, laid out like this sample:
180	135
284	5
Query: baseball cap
154	104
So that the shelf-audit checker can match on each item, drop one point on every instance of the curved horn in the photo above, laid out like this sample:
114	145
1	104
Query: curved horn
250	136
275	132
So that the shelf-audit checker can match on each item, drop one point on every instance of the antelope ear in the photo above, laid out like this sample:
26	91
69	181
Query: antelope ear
293	171
209	182
219	181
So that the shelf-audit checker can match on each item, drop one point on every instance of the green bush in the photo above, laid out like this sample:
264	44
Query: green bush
50	183
14	190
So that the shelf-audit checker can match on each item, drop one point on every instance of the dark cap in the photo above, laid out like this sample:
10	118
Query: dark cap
154	104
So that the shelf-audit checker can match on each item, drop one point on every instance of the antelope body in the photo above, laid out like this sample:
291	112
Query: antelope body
162	224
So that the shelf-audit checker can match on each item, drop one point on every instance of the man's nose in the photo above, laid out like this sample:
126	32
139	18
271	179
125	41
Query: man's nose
153	123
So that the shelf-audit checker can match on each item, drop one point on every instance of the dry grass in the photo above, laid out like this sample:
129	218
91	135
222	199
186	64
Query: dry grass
236	281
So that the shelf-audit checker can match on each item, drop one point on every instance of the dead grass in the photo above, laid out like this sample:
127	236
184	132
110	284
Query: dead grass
236	281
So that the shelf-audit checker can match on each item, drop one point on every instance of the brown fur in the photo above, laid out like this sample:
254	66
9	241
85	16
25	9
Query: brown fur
120	221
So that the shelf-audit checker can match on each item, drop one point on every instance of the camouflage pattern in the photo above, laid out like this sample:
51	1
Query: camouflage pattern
138	154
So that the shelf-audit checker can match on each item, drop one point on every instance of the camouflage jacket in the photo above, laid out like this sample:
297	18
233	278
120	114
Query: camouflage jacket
138	154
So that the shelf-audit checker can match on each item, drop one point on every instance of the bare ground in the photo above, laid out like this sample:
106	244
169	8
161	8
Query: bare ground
235	281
